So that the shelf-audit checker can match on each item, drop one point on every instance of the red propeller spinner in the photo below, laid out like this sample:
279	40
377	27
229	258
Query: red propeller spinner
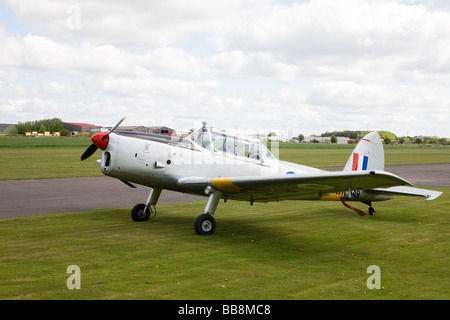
99	141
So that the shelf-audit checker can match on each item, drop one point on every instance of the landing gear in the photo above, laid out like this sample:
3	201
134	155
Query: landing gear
205	224
143	212
371	209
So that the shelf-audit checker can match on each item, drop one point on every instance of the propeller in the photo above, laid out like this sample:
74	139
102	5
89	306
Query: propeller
89	152
114	128
99	140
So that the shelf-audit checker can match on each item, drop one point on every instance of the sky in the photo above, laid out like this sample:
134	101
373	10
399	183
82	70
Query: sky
258	65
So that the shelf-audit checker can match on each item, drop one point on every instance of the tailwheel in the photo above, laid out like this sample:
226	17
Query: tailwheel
141	212
205	224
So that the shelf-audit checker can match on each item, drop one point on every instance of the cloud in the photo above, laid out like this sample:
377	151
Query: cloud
54	87
139	23
310	66
240	64
382	107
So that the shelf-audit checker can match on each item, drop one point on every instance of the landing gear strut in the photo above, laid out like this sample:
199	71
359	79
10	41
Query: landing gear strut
371	209
205	224
143	212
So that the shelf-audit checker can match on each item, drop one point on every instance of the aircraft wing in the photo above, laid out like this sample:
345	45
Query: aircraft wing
407	191
293	186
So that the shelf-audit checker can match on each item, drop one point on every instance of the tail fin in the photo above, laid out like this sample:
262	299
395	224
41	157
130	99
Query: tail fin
368	154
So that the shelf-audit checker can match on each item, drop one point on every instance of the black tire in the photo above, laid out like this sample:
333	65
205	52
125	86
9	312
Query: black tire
138	214
205	224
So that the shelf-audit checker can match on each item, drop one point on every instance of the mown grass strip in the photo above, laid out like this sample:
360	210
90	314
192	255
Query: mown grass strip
287	250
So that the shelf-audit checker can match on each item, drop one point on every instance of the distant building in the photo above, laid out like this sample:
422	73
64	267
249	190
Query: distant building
4	127
316	140
344	140
142	129
340	140
158	130
278	138
75	127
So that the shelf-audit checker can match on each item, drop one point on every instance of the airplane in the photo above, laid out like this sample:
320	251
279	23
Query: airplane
220	165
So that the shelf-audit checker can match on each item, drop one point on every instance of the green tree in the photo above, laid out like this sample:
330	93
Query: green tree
333	139
42	129
52	125
23	127
387	136
64	133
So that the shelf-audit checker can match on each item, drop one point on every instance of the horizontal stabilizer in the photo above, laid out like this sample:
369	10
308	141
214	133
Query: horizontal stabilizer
407	191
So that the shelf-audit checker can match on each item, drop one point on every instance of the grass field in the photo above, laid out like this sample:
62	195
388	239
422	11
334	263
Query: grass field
38	158
323	155
287	250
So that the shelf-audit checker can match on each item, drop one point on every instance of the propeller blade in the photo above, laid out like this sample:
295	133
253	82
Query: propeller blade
89	152
98	142
121	120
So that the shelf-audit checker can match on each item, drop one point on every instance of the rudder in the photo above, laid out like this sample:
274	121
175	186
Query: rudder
367	155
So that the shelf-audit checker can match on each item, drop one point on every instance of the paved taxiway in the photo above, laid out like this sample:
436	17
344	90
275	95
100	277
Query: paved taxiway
29	197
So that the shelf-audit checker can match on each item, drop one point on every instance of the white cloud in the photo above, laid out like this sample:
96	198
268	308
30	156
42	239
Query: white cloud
239	64
136	23
170	60
54	87
310	66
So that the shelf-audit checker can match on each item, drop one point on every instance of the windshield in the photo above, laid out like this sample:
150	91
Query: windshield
227	144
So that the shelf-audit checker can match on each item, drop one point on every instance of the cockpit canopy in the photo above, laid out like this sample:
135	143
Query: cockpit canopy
227	144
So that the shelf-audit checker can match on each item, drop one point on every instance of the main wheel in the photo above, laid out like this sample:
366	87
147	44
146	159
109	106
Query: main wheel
138	213
205	224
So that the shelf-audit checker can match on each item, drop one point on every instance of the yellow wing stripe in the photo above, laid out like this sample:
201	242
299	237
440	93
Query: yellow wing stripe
225	184
333	196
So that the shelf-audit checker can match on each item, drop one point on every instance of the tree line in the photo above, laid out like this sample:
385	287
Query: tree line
41	126
346	133
387	136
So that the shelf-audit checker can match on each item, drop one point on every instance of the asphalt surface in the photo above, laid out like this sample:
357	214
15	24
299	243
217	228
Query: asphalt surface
30	197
